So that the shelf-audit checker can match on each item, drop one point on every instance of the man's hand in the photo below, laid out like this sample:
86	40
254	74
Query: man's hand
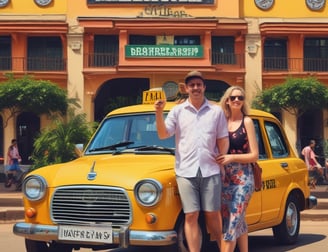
159	105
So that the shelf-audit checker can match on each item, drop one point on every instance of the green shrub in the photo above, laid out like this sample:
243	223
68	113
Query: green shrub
56	143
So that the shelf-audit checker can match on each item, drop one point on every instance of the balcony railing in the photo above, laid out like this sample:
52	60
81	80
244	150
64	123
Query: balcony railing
111	59
228	59
295	65
33	64
101	59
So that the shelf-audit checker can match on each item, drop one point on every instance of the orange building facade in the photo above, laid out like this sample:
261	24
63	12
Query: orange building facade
106	53
290	40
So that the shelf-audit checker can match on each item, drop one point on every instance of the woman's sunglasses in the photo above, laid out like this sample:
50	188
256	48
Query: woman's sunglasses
234	97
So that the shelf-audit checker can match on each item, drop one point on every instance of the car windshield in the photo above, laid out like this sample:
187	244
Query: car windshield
130	131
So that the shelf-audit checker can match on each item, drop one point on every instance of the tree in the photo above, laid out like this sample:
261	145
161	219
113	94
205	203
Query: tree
296	96
56	143
29	95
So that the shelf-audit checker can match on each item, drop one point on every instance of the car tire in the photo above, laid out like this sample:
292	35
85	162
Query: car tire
287	231
39	246
35	246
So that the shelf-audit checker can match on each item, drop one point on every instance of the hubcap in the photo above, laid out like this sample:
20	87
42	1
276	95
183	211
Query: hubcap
291	218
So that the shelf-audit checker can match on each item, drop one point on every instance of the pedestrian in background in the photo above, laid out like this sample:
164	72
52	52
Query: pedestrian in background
314	168
238	184
13	159
200	130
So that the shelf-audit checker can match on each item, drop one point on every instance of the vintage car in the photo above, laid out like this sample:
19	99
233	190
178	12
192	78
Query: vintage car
122	191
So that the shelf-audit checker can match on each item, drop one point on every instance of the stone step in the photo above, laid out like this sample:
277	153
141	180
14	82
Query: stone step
11	202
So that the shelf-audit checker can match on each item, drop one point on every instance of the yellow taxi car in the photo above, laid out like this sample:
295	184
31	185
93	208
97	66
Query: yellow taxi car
122	191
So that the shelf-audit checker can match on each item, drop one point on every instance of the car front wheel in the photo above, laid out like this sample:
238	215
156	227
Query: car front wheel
287	231
39	246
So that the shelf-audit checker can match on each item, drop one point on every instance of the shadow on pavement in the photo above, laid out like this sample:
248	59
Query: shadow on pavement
266	243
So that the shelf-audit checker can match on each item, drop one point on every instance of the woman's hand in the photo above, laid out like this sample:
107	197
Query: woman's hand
224	159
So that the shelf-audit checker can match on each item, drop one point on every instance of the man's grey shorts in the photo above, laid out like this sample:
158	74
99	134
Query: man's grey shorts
200	193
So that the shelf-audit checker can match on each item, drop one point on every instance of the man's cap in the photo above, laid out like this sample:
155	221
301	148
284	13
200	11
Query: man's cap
194	74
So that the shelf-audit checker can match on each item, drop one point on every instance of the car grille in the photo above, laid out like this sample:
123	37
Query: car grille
85	204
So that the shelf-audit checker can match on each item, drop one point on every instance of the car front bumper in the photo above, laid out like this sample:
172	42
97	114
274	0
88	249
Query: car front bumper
122	236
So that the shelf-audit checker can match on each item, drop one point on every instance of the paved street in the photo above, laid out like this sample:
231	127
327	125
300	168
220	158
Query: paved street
313	233
313	237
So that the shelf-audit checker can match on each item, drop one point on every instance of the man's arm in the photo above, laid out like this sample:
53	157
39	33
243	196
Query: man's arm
223	145
160	124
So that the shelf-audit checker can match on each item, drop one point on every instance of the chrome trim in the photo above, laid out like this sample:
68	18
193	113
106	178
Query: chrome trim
43	187
311	202
80	205
159	189
122	236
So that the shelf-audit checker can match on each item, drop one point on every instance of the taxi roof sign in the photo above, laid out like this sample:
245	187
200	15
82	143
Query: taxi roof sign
152	95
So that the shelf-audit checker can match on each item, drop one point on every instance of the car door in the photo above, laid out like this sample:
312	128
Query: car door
276	174
254	209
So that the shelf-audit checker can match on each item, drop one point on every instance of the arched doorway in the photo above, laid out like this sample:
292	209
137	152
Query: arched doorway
215	89
27	127
117	93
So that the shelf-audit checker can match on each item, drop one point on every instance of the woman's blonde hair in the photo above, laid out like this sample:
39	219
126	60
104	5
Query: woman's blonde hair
226	96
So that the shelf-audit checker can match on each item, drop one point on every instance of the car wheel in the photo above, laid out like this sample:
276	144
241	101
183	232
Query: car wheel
39	246
35	246
287	231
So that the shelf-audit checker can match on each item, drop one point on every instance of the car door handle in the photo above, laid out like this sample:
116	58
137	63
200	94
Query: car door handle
284	165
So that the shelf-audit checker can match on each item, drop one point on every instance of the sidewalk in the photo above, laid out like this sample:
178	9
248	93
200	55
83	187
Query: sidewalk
11	205
320	213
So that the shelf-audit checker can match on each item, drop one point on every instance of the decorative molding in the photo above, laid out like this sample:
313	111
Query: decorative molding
4	3
264	4
315	4
43	2
171	89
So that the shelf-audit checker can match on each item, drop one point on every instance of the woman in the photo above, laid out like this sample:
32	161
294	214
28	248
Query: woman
238	183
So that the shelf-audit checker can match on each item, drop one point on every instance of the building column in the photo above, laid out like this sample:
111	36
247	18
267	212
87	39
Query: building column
75	81
253	60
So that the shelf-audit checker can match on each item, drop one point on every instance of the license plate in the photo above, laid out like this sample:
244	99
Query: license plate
102	234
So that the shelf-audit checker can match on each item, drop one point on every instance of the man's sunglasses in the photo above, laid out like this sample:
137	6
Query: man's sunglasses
234	97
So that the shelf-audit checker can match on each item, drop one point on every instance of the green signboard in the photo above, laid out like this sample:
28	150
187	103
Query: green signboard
164	51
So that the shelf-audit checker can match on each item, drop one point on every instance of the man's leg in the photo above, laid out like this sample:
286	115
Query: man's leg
189	194
214	225
10	179
192	231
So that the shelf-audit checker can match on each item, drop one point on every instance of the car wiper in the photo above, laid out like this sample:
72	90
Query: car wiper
155	148
113	146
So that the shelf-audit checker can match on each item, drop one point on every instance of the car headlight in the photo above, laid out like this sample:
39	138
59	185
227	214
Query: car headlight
34	187
148	192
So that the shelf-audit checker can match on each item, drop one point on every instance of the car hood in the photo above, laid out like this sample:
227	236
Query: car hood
123	170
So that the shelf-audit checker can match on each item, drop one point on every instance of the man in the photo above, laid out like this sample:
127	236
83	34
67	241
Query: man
315	169
201	133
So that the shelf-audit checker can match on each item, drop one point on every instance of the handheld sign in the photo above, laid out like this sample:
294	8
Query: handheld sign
150	96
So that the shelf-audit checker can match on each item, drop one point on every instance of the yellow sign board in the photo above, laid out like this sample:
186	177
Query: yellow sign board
150	96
